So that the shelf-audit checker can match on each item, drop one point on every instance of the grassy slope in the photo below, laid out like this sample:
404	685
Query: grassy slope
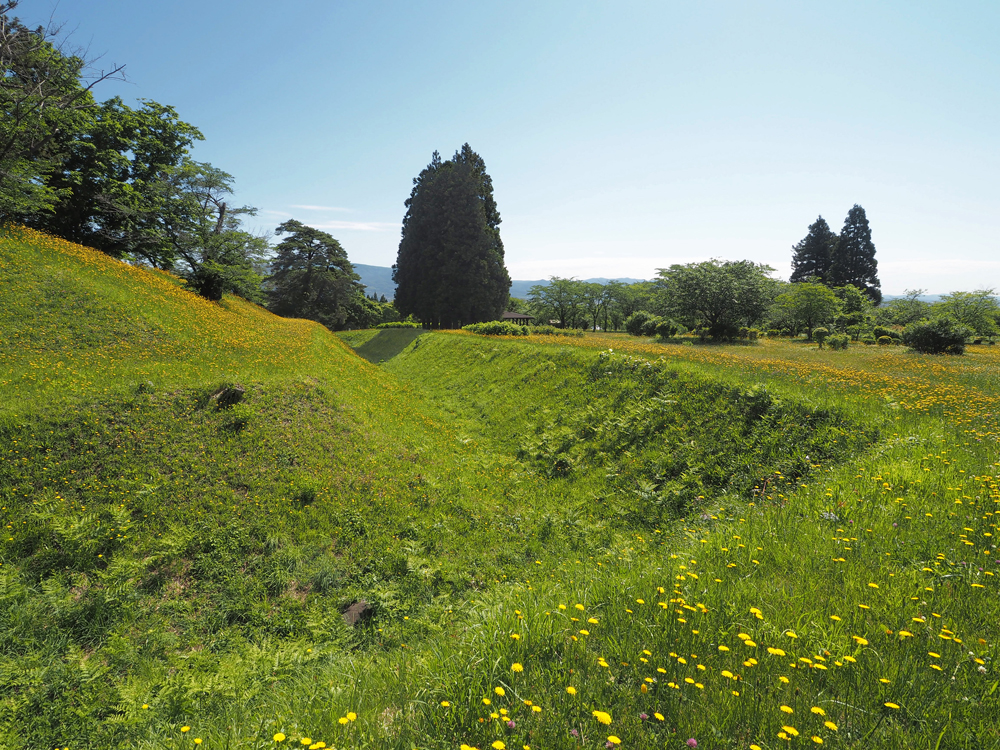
144	522
162	552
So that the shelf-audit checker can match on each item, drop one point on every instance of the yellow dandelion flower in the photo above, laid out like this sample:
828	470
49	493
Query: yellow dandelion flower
818	711
499	691
579	607
594	621
817	739
351	716
498	745
342	720
516	667
536	709
890	704
658	717
783	679
279	737
787	709
860	640
571	690
445	704
584	632
830	725
614	740
602	716
775	651
792	731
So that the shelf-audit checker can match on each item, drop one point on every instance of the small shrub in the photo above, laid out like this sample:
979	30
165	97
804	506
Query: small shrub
868	340
938	336
665	328
773	333
820	334
496	328
635	323
838	341
881	331
884	340
398	324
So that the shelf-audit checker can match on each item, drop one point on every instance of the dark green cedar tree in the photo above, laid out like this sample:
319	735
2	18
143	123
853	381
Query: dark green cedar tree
854	256
449	269
812	256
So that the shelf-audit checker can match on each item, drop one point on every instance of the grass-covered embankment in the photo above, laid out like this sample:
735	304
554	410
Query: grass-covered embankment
173	571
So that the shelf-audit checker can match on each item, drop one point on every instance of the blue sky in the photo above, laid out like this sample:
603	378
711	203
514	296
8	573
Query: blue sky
621	137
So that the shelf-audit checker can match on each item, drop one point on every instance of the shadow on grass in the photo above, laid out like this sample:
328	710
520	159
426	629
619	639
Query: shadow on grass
388	343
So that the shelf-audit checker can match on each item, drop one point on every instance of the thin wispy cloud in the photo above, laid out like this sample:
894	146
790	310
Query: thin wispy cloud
356	226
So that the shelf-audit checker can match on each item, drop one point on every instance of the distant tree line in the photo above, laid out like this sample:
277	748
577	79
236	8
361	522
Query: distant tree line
121	180
834	290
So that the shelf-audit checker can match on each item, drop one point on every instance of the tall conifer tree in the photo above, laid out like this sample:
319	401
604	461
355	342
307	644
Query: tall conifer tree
450	268
814	253
854	256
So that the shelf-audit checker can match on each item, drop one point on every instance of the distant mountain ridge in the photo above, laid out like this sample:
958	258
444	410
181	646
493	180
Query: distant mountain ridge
378	281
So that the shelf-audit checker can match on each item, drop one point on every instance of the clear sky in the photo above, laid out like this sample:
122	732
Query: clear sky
621	136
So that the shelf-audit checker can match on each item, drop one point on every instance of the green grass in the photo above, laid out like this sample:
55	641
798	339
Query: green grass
387	343
170	564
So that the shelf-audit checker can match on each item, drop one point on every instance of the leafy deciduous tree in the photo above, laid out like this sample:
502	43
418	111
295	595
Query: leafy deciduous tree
718	295
976	310
904	310
809	305
108	176
44	97
560	300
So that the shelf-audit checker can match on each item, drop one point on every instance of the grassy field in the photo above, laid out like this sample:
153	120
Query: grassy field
588	543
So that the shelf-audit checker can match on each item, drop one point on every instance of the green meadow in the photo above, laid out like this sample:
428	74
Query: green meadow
573	543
